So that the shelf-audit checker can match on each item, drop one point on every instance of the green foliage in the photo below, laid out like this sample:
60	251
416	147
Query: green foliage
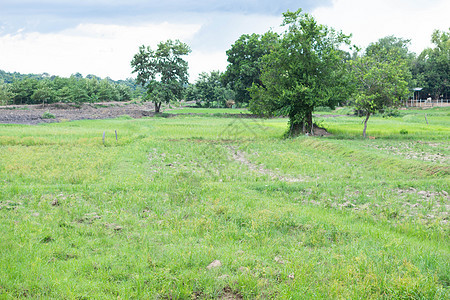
244	68
380	78
304	70
43	93
6	96
323	109
43	89
389	112
163	72
432	67
23	90
388	46
209	89
48	115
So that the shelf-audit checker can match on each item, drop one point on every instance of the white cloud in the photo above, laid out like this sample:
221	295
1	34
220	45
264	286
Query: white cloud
106	50
206	61
369	21
103	50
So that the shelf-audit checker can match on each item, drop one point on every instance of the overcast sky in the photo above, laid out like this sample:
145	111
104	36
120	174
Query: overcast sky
100	37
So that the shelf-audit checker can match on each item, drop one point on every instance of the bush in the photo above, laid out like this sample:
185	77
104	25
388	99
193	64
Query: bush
403	131
390	112
48	115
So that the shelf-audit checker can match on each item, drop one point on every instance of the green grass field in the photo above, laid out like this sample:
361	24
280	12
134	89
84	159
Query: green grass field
209	111
143	217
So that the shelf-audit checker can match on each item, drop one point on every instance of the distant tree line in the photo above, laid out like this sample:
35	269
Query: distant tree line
19	89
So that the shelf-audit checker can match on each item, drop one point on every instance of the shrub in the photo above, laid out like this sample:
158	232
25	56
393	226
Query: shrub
391	112
403	131
48	115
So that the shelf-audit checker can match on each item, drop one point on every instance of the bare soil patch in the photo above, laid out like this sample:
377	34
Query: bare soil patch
413	150
33	114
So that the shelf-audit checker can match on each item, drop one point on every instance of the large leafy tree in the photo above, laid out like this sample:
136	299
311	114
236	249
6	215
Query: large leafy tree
163	72
432	67
304	70
380	78
244	62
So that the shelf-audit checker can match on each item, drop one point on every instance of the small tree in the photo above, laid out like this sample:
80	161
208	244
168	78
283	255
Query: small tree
163	73
43	94
380	79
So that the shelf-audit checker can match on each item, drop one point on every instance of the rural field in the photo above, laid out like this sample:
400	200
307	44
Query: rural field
209	206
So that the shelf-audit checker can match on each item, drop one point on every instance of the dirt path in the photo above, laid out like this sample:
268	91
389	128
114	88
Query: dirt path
240	157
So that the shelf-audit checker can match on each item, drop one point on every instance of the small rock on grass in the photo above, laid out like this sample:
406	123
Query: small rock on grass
215	264
113	226
279	260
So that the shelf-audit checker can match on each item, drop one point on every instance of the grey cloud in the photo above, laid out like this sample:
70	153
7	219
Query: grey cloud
70	7
55	15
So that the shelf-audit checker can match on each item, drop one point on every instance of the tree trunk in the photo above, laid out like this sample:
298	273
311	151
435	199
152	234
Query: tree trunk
310	122
295	129
365	124
157	107
305	126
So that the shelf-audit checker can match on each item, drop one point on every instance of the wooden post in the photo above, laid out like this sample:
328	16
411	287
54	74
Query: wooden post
116	134
104	133
426	118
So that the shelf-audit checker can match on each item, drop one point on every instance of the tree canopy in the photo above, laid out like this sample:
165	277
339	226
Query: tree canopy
163	72
209	91
432	67
244	57
304	70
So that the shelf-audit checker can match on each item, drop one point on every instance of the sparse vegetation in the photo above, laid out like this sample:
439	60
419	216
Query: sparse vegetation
48	115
